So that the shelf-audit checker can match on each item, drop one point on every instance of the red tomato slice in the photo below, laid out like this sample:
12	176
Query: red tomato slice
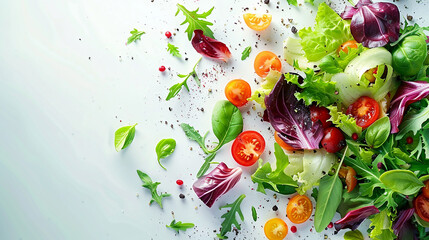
247	148
365	110
421	205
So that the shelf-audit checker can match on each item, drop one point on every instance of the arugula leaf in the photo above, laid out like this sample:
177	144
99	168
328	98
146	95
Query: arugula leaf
135	35
337	63
414	119
147	183
254	214
206	165
381	225
275	180
124	136
425	140
165	148
195	21
176	88
229	216
176	226
193	134
246	52
294	2
173	50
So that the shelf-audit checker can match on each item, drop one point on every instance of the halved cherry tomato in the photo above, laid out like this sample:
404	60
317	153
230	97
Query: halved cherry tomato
421	205
425	189
320	114
265	61
247	148
275	229
257	22
349	174
333	140
345	46
282	143
365	110
299	209
237	92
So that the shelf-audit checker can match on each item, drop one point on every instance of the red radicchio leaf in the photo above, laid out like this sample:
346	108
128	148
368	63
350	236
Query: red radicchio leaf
219	181
407	93
210	47
354	218
403	217
373	24
291	118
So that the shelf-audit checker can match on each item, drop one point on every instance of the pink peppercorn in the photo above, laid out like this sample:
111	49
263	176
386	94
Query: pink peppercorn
162	69
168	34
179	182
330	225
293	229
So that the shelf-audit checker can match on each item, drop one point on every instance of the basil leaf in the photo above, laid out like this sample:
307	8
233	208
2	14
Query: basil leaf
254	214
193	134
353	235
227	122
401	181
378	132
328	200
206	165
124	136
165	148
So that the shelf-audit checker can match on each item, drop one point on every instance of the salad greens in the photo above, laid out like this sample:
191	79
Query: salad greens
378	132
176	226
254	214
353	235
246	52
165	148
176	88
173	50
267	85
196	21
152	186
337	63
124	136
230	217
135	35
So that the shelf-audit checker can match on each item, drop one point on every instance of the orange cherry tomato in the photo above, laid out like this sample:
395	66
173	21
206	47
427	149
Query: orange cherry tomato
282	143
345	46
275	229
425	189
257	22
421	205
237	92
349	174
365	110
265	61
299	209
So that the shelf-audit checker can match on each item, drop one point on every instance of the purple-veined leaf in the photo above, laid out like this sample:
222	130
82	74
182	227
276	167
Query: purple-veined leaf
210	47
354	218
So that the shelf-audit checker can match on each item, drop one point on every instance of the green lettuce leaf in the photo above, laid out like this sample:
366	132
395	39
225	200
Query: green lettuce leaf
381	225
337	63
328	34
308	167
345	122
267	85
293	53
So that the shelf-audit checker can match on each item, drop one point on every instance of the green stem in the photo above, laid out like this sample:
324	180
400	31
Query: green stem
342	159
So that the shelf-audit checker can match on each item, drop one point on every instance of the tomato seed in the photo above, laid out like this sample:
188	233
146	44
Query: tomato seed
162	69
179	182
330	225
355	136
293	229
410	140
168	34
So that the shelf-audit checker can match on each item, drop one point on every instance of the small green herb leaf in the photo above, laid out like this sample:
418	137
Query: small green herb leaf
246	52
175	89
293	2
401	181
165	148
124	136
229	216
378	132
176	226
135	35
147	183
353	235
193	134
173	50
196	21
206	165
254	214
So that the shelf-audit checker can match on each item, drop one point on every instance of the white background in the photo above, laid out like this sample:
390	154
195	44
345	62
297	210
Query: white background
68	81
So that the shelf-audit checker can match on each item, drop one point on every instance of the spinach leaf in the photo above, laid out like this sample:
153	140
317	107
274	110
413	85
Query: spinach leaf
165	148
401	181
378	132
328	199
176	226
227	122
152	186
124	136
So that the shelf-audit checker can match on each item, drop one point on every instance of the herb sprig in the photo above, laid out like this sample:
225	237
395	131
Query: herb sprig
176	226
173	50
196	21
229	217
147	183
175	89
246	52
135	35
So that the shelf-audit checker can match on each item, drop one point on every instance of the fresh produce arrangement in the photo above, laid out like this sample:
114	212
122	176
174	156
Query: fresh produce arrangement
351	124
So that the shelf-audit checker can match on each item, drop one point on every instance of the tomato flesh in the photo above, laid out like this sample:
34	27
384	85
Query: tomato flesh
365	110
421	205
425	189
349	174
275	229
320	114
282	143
266	61
299	209
333	140
345	46
237	92
257	22
247	148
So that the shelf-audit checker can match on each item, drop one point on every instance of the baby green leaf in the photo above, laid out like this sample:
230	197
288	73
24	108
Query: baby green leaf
173	50
246	52
147	183
254	214
175	89
165	148
124	136
196	21
378	132
401	181
135	35
353	235
206	165
229	216
193	134
293	2
176	226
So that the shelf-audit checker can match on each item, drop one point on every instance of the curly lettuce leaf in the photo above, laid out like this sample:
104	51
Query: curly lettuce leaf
328	34
308	167
337	63
345	122
267	85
